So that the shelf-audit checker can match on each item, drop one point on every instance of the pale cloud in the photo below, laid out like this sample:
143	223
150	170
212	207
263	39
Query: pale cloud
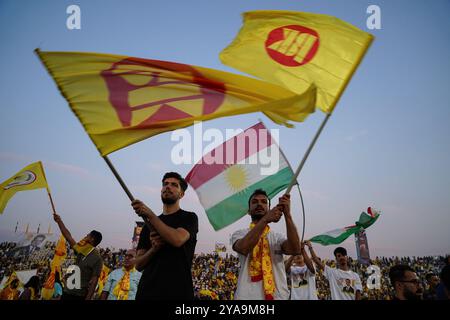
52	165
357	135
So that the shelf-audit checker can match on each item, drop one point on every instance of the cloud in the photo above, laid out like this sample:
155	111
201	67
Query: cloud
53	165
357	135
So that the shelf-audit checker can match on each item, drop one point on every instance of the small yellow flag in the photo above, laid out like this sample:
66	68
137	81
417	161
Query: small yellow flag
297	49
121	100
29	178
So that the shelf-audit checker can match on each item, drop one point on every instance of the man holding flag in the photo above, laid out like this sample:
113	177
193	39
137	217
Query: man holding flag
166	245
88	259
262	275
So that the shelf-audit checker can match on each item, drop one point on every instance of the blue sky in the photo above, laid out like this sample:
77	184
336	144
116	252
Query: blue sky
386	145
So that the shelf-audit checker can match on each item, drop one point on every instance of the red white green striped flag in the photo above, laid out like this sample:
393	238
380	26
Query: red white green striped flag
223	189
339	235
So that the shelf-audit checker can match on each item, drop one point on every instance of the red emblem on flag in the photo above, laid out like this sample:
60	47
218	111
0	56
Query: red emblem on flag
292	45
211	93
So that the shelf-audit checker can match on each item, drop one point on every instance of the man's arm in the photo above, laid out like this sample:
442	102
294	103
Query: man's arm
315	258
65	232
292	244
247	243
175	237
143	256
307	259
91	287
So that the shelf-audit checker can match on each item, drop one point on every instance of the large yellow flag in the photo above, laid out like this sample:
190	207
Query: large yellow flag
55	265
29	178
121	100
295	49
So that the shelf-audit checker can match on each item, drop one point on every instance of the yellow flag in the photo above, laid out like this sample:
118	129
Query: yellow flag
55	265
295	49
121	100
29	178
102	279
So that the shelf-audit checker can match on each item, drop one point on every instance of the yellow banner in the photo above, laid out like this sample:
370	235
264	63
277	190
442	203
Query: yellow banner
121	100
296	49
29	178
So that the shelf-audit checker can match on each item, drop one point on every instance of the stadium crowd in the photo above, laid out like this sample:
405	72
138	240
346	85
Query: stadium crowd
215	274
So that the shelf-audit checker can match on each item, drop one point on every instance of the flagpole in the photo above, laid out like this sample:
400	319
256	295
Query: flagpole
51	201
296	183
116	174
313	142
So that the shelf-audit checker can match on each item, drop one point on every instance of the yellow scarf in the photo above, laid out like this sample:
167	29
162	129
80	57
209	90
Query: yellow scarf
123	286
33	294
83	247
261	264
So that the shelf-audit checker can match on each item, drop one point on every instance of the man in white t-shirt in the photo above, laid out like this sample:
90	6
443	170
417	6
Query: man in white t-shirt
344	283
302	275
262	274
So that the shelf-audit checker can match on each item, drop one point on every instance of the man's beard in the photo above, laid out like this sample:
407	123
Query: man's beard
168	201
409	295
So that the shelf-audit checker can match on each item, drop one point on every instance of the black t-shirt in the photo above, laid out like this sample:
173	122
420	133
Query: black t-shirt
168	273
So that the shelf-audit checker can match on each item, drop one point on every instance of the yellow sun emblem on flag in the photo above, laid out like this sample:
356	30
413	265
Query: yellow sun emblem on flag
236	177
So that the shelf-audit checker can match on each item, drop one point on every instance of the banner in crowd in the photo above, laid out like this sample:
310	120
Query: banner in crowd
122	100
220	247
224	188
362	247
23	277
28	243
295	49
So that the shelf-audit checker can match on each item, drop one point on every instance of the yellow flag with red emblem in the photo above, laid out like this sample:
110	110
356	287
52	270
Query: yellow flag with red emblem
296	49
29	178
121	100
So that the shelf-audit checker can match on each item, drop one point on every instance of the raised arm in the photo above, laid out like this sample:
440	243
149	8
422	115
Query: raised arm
65	232
175	237
307	260
247	243
292	244
315	258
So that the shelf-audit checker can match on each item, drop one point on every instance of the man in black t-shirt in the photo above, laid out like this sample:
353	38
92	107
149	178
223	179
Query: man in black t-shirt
166	245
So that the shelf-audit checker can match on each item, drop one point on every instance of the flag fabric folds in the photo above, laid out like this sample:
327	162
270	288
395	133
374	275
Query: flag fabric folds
339	235
225	177
29	178
55	266
295	49
121	100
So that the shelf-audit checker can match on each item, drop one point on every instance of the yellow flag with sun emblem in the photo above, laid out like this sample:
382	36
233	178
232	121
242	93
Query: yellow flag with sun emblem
29	178
225	177
121	100
295	49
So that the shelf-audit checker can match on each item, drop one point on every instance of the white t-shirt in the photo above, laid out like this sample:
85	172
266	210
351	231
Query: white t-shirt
303	284
248	290
343	284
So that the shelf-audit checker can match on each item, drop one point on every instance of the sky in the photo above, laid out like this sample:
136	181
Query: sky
386	144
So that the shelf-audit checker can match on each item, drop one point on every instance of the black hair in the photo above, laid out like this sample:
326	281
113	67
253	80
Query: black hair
258	192
340	250
397	273
429	276
97	237
176	175
57	277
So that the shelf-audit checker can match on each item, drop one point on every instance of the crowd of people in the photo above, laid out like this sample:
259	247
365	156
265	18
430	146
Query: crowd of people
215	274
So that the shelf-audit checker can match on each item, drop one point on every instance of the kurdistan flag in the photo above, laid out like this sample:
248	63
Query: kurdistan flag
339	235
224	188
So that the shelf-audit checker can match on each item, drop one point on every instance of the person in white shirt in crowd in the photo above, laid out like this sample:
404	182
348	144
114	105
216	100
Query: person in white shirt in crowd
344	283
301	270
262	274
122	283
